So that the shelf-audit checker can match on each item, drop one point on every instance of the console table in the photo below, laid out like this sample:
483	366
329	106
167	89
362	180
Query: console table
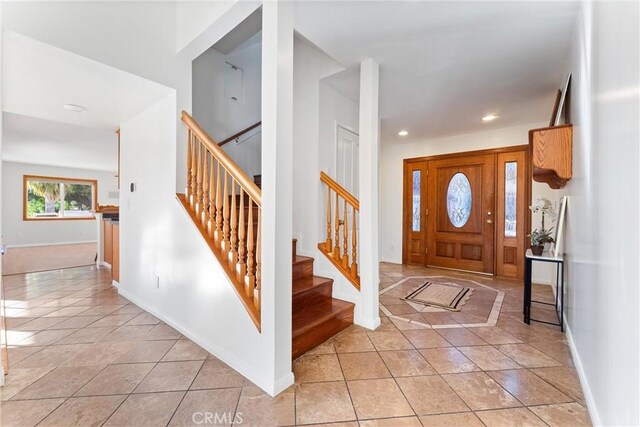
529	258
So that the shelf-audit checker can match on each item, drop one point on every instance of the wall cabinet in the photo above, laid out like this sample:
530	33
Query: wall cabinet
552	155
111	246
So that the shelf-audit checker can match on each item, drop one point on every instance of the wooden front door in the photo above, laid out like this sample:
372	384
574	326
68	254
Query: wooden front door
460	212
415	221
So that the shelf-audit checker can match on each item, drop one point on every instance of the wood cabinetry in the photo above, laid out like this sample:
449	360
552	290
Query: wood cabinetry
551	155
107	241
115	265
111	246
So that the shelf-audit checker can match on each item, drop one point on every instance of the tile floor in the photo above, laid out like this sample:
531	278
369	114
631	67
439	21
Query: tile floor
83	355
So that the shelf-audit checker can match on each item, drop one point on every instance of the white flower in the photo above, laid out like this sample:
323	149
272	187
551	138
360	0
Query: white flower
541	204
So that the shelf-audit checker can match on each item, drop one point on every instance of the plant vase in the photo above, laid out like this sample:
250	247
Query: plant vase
537	250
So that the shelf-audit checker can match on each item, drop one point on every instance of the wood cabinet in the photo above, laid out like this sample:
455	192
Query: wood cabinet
111	246
551	155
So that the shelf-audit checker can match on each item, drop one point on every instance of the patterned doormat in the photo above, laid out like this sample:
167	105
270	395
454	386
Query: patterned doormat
448	296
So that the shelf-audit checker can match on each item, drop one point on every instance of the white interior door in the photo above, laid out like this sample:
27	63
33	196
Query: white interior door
347	159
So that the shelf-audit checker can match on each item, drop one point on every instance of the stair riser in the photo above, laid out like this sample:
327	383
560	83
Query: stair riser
300	298
302	269
321	333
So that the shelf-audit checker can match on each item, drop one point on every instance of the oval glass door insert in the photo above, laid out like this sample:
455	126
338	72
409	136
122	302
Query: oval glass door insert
459	200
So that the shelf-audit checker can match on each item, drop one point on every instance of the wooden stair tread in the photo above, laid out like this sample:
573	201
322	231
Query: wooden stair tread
315	311
305	284
302	259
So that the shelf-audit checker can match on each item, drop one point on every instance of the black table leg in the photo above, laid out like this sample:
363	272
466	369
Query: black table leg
527	291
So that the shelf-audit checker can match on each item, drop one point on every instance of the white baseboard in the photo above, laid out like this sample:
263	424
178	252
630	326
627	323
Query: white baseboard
586	389
262	381
34	245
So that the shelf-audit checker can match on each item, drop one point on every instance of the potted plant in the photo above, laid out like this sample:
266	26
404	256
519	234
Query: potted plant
541	235
538	238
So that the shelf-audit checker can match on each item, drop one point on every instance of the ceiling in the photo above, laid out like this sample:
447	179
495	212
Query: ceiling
445	65
37	129
45	142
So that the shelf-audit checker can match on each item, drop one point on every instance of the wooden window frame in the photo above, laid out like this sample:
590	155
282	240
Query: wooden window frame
92	182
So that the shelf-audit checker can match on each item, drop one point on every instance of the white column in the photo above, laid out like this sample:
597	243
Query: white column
366	313
277	187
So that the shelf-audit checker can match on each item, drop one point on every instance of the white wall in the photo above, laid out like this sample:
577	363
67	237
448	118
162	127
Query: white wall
223	117
602	221
391	164
18	232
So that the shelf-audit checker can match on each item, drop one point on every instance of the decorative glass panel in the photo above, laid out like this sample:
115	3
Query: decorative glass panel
459	200
416	201
510	190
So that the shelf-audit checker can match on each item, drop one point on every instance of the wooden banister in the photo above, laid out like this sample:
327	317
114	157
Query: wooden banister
217	194
344	258
239	134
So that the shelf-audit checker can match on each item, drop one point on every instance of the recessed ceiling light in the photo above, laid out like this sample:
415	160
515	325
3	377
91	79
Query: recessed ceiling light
489	117
403	133
75	108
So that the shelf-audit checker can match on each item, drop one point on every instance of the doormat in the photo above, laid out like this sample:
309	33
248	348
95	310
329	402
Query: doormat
448	296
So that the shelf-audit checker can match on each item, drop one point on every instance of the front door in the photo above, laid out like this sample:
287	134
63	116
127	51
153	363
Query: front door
460	212
415	221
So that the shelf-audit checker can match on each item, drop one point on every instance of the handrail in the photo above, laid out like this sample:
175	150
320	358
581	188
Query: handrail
242	132
340	190
243	179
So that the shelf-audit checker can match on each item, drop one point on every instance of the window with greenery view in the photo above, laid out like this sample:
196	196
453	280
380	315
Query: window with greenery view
59	198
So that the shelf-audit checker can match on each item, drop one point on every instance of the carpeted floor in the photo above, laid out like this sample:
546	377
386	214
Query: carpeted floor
41	258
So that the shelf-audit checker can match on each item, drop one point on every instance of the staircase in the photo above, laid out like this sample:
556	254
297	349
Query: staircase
316	315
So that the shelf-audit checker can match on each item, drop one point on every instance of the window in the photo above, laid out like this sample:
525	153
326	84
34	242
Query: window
416	201
48	198
459	200
510	193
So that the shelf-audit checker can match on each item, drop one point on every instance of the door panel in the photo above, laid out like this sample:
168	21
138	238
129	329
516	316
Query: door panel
347	159
415	177
460	220
510	214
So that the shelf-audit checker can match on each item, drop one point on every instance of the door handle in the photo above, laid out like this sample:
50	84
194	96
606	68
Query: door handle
489	221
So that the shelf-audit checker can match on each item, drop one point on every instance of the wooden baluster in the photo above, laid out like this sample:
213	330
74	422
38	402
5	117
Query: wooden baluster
199	181
233	252
212	197
354	245
345	235
241	267
256	293
328	246
336	247
225	214
187	192
194	172
205	189
250	278
217	234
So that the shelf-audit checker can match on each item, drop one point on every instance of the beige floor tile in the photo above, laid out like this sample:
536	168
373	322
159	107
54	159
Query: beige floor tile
163	332
46	337
426	338
17	354
68	311
480	392
257	408
151	409
566	414
514	417
83	411
380	398
461	337
361	366
112	320
86	335
20	378
564	379
40	323
323	403
558	350
448	360
494	335
99	354
76	322
145	351
61	382
51	356
217	374
392	422
528	356
528	388
353	343
430	395
317	367
116	379
185	350
461	419
488	358
170	376
406	363
26	413
390	341
144	319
